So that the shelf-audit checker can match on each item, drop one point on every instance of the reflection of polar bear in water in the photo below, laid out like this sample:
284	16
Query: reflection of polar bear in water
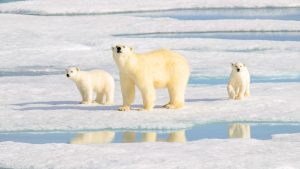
88	82
176	136
100	137
239	131
157	69
239	82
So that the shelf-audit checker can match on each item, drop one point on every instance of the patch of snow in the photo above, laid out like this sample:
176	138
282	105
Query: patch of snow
286	137
204	154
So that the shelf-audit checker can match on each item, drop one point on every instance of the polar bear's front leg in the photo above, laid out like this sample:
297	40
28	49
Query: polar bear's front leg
148	94
87	95
230	91
241	93
128	93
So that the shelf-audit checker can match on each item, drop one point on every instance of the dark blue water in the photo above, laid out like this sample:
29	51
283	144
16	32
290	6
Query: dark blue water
228	13
261	131
273	36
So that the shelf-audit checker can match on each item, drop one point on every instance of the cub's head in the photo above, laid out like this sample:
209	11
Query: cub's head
238	67
72	72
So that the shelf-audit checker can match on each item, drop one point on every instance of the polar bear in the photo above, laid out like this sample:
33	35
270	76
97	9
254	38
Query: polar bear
88	82
239	81
161	68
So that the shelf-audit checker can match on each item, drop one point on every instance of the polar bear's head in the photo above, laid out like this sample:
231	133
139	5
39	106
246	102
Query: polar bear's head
238	67
121	49
122	54
72	72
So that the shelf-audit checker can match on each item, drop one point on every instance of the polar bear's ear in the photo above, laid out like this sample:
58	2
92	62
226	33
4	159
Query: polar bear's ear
244	65
232	64
77	69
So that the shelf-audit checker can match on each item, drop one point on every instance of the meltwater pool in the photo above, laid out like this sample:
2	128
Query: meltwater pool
261	131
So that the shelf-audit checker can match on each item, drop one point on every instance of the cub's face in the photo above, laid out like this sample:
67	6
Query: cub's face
72	72
238	67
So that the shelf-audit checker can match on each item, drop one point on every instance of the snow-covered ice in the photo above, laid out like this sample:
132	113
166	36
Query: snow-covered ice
54	100
57	7
204	154
58	42
36	96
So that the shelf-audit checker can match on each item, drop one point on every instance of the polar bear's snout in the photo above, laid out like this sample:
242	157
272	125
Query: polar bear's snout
238	67
72	72
119	49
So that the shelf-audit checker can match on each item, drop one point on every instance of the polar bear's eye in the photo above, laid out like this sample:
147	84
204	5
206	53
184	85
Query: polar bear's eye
123	46
71	71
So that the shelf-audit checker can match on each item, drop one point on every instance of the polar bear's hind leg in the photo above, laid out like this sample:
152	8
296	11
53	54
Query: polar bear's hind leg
109	98
176	93
100	98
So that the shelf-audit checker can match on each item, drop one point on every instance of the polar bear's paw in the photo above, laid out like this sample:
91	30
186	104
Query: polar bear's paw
96	102
85	102
240	97
124	108
108	103
173	106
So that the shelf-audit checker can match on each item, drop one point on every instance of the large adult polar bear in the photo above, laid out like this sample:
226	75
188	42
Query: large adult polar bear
239	82
157	69
94	81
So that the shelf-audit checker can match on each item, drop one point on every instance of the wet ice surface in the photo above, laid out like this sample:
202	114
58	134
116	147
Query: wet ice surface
274	36
227	13
260	131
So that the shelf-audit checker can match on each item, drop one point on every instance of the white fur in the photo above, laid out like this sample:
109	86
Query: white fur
157	69
88	82
239	82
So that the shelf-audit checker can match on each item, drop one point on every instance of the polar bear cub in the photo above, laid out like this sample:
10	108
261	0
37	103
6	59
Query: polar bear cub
239	82
90	82
161	68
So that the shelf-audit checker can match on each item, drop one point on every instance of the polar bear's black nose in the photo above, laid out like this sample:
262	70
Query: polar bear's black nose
118	49
238	70
68	75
